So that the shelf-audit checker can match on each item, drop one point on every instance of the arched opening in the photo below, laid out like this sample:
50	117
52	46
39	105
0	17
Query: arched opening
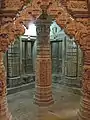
63	49
65	53
74	24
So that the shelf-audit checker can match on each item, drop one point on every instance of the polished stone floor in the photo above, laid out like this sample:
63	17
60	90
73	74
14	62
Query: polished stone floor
65	107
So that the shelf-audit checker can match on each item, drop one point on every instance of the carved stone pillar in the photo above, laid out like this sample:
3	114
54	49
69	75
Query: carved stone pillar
43	96
4	113
84	112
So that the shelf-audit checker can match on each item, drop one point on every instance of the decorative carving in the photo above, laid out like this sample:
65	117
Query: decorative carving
14	4
85	103
33	10
6	20
63	2
4	113
62	11
9	32
84	21
58	13
76	5
77	8
43	96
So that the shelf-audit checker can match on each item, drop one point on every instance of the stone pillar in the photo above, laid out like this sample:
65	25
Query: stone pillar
4	113
43	96
84	112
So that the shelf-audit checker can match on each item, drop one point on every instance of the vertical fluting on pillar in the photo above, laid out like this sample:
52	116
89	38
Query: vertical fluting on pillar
43	95
4	113
84	112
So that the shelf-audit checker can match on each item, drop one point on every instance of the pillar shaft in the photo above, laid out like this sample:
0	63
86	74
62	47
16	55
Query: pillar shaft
43	96
4	113
84	112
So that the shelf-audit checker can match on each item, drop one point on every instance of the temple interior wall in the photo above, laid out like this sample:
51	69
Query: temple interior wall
67	59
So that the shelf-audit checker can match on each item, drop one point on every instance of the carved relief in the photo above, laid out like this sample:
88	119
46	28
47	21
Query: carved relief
3	76
74	28
33	10
4	113
43	96
79	28
76	5
14	4
84	21
8	33
45	75
6	20
58	13
86	77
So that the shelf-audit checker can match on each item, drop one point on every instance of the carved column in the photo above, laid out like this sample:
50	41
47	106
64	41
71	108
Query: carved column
4	113
84	112
43	96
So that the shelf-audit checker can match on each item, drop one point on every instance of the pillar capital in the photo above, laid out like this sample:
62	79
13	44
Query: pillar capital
43	25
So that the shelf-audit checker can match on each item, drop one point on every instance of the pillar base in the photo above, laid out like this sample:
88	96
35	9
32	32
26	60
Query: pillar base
43	102
43	96
84	112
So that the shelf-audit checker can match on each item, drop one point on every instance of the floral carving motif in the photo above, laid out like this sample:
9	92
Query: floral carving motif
6	20
8	33
14	4
84	21
77	5
55	9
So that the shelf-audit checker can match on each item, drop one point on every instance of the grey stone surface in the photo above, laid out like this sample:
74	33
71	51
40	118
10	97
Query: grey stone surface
21	88
22	107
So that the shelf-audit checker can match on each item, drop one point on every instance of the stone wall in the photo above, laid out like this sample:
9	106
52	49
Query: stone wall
66	60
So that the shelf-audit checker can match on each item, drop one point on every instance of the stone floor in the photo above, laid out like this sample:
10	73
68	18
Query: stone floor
65	107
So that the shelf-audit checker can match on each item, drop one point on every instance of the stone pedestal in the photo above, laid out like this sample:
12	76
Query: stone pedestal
84	112
43	96
4	113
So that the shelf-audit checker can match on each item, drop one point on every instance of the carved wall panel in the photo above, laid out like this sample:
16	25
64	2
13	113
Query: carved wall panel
77	5
13	4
